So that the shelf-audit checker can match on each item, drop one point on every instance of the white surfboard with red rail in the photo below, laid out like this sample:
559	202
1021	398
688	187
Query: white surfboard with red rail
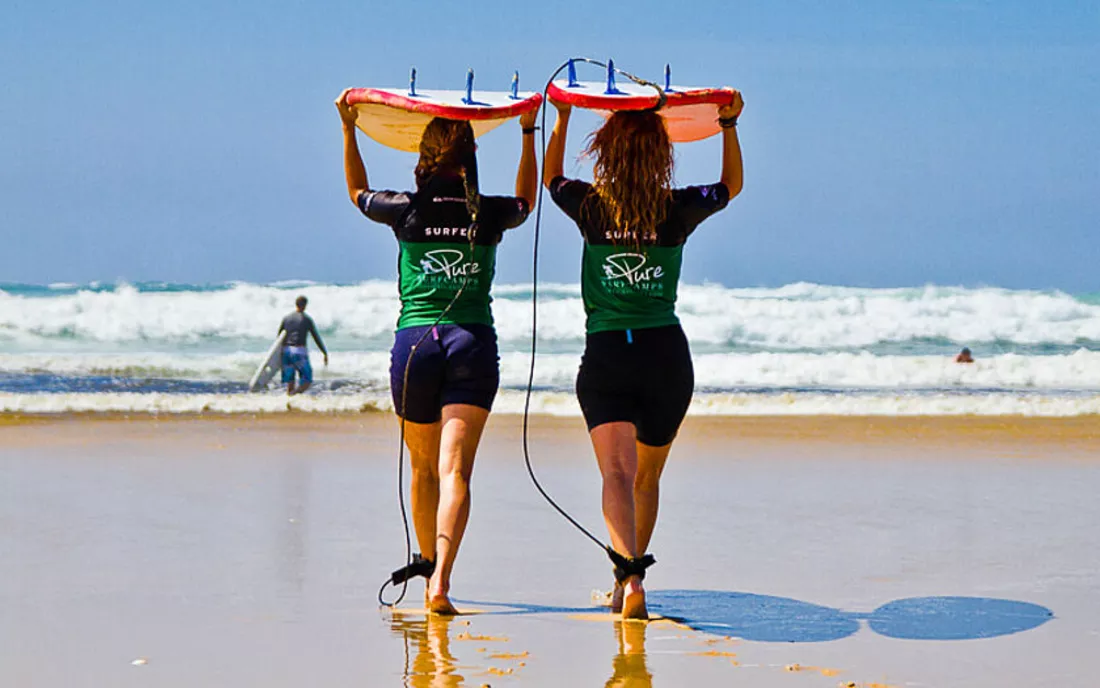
690	112
396	117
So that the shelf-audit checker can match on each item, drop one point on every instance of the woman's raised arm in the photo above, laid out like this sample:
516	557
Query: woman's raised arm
733	173
527	176
553	162
354	170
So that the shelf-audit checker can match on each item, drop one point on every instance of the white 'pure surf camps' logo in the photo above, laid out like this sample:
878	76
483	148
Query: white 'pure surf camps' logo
448	262
631	267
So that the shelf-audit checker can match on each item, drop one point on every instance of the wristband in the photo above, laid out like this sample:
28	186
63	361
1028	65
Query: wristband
727	122
530	130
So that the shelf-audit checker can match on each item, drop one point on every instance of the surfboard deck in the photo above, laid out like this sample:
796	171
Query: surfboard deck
395	119
690	113
273	363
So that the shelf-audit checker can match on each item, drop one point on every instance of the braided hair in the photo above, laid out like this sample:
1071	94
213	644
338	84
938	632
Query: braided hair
448	144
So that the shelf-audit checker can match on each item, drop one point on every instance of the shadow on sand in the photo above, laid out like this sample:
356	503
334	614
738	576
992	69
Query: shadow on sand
765	618
429	662
769	619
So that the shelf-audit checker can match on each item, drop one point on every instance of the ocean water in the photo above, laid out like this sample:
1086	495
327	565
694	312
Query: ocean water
797	349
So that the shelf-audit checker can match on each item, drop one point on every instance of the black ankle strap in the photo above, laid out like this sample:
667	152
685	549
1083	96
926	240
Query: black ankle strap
419	567
625	567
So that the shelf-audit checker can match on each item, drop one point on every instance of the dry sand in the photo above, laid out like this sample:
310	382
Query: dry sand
238	551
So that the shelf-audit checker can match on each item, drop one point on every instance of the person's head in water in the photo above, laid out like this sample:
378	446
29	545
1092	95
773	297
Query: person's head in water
964	356
448	146
301	302
633	171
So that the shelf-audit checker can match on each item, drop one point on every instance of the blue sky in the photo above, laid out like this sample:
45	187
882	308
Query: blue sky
886	143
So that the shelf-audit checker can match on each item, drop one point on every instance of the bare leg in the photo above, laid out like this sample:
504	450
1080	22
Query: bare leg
290	388
422	439
647	491
617	455
303	387
618	461
461	432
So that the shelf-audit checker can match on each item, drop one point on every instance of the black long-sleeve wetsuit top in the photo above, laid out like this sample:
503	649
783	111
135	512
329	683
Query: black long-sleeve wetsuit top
298	326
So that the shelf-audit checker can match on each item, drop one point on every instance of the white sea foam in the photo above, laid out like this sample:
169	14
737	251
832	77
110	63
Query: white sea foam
1079	370
243	311
806	316
799	349
713	372
798	317
154	403
565	404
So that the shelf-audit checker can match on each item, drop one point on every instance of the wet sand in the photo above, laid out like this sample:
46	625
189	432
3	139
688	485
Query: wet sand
792	552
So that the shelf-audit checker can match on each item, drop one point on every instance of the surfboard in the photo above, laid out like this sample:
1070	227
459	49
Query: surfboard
273	363
691	112
396	117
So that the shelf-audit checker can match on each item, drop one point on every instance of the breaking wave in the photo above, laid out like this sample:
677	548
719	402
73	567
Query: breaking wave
798	349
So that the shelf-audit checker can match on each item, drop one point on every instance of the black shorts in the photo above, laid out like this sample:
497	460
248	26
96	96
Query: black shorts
454	364
644	377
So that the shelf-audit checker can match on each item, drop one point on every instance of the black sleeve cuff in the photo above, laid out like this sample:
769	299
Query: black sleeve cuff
364	201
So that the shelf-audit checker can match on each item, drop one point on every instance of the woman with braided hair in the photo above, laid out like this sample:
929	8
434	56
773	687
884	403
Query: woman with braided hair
444	366
636	379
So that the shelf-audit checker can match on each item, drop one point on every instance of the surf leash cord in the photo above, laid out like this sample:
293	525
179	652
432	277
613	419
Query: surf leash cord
624	566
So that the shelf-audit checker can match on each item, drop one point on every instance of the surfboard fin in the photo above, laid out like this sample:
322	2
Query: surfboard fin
612	89
469	98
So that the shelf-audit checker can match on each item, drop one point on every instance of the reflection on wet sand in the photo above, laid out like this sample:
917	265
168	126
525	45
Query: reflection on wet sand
429	662
428	659
629	666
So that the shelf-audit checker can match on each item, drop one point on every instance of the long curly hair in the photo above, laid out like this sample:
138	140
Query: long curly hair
633	173
447	145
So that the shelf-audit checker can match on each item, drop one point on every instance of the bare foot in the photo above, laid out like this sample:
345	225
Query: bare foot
617	598
438	601
441	604
634	599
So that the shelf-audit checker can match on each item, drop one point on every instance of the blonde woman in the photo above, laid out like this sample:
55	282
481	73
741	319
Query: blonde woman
636	377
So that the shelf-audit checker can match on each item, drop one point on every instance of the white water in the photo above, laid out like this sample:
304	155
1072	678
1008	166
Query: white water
798	317
565	404
799	349
1077	371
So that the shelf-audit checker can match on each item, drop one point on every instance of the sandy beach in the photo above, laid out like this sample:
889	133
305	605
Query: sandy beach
803	551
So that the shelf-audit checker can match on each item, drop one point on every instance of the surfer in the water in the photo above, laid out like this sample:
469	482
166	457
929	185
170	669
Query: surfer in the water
298	327
636	378
454	373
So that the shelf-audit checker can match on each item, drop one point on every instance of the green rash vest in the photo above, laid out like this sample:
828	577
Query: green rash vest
625	286
436	257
